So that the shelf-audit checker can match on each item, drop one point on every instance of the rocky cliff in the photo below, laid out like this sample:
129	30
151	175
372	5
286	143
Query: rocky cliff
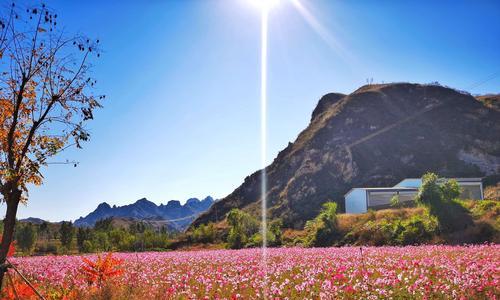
375	136
174	215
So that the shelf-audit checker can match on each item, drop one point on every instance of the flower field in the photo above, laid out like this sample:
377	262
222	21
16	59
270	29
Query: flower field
420	272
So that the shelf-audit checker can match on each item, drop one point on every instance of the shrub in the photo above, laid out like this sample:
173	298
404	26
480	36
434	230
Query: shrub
87	247
398	230
26	237
242	227
101	242
66	232
417	230
82	235
47	248
121	239
395	202
429	193
205	233
440	199
485	208
322	231
274	235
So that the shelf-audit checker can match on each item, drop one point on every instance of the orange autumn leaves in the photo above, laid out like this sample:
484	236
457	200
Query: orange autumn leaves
19	290
96	274
14	288
46	96
99	271
26	149
12	248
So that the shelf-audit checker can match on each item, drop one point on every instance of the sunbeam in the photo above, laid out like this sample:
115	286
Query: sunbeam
323	33
263	139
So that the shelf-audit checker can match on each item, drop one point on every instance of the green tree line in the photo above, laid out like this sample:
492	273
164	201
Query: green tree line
65	238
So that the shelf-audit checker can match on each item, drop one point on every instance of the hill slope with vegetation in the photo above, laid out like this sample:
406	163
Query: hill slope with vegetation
376	136
436	217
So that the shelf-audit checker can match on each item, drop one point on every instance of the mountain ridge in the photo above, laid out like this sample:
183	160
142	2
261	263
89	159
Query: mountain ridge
177	215
375	136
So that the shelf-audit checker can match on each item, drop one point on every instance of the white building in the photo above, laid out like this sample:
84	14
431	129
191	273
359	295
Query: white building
359	200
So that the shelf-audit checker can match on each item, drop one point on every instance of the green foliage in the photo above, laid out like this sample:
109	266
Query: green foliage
104	224
398	231
274	235
482	208
44	227
66	234
205	233
137	227
121	239
322	231
101	241
441	200
242	227
417	230
46	247
82	235
429	193
87	247
450	190
395	202
105	237
26	235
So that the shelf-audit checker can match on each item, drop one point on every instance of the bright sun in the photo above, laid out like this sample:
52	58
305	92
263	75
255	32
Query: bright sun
264	4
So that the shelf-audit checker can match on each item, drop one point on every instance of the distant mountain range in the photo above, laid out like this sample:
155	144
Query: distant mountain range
31	220
173	215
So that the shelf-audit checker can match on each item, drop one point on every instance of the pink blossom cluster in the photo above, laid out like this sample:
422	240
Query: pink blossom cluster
417	272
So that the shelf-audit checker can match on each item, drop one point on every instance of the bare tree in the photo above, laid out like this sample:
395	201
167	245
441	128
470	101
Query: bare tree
45	98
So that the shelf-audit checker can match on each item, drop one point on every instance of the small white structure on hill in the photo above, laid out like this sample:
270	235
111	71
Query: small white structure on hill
359	200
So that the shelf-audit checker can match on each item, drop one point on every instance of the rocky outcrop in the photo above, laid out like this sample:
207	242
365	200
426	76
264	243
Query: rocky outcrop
176	215
376	136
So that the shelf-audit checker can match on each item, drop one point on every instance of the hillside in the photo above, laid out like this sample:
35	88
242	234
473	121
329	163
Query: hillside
32	220
375	136
492	101
173	215
410	226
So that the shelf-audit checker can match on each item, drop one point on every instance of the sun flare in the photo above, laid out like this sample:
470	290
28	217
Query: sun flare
264	5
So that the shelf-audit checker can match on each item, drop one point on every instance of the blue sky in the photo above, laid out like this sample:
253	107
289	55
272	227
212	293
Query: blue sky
181	117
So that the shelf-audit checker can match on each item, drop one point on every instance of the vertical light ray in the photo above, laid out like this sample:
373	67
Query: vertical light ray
263	140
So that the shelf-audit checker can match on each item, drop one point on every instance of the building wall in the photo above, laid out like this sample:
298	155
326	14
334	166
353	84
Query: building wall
383	199
359	200
355	201
471	191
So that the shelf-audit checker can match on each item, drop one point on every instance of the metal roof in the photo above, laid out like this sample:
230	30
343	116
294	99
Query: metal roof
382	189
459	179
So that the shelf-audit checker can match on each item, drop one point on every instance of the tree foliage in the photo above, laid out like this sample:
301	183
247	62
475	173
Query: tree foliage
45	93
26	236
440	197
66	234
205	233
82	235
242	227
46	96
322	230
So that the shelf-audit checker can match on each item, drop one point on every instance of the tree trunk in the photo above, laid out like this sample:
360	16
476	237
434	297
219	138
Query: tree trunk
12	199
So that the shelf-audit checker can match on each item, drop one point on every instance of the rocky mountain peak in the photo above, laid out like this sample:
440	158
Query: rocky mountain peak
103	206
375	136
177	215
